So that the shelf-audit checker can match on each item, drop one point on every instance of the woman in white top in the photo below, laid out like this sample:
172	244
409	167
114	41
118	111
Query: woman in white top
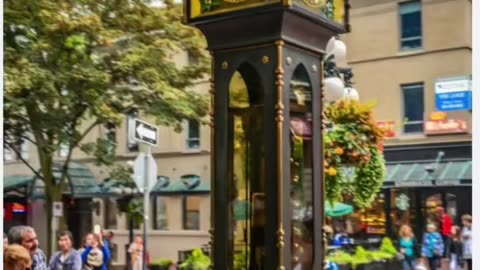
136	253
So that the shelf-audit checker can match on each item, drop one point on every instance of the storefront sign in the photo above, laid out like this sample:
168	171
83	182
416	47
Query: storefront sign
412	183
450	126
447	183
453	94
438	116
388	127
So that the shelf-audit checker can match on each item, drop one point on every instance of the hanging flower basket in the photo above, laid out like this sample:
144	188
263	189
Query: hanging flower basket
354	142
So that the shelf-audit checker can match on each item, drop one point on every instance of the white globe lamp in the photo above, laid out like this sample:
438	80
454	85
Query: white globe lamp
334	89
351	94
338	49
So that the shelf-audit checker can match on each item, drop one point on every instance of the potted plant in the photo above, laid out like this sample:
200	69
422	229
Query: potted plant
197	261
342	259
161	264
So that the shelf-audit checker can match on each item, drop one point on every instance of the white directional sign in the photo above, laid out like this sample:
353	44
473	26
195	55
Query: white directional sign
145	132
140	167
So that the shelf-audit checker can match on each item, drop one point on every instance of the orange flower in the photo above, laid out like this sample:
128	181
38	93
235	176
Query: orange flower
355	154
339	151
332	171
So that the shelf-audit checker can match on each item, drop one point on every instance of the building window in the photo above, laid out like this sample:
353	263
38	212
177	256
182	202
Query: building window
132	144
413	108
7	154
191	213
63	152
411	25
193	134
24	152
160	222
111	211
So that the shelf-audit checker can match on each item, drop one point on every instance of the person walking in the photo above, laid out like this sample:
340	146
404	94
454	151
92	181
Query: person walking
16	257
67	258
455	249
467	239
96	256
432	247
136	250
407	246
446	222
27	237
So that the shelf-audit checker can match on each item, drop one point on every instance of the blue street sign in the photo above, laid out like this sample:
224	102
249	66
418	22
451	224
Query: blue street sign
453	94
454	101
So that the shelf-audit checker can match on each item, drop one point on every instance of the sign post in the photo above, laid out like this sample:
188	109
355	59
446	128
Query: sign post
145	172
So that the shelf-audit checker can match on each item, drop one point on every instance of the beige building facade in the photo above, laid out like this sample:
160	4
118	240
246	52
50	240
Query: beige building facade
381	66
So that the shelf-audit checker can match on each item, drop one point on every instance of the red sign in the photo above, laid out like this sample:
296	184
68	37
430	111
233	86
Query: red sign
388	127
445	127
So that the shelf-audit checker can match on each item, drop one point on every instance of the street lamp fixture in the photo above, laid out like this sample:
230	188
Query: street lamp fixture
336	69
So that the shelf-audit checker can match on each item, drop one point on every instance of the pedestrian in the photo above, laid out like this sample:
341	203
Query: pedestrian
467	239
87	241
407	247
96	256
446	222
67	258
455	249
27	237
432	247
136	250
16	257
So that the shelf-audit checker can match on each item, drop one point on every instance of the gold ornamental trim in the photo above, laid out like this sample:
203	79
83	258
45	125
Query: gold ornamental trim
279	118
315	3
212	161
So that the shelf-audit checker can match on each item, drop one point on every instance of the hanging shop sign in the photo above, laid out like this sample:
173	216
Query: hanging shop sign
402	202
453	94
441	127
388	127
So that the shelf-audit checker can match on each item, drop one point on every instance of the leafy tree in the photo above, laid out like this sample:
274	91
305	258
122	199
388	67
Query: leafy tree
72	65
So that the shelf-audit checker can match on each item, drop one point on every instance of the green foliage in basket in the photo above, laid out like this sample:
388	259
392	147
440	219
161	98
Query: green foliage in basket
162	262
388	247
340	257
197	261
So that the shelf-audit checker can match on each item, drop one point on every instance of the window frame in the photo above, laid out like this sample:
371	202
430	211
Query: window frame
184	213
400	20
404	88
155	213
189	139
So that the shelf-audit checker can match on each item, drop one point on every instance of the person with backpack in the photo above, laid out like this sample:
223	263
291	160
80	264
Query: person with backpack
432	247
96	256
67	258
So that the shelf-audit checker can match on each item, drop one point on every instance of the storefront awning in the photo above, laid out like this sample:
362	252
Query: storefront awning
429	173
83	180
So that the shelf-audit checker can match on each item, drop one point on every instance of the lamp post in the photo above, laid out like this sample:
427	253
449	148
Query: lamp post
336	69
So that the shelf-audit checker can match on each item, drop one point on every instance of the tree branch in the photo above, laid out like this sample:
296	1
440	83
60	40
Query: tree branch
19	155
71	147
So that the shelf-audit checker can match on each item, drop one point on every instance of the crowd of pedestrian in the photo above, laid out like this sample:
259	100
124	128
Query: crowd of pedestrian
450	242
22	252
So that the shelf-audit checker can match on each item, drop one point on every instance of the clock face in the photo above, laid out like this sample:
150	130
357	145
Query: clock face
315	3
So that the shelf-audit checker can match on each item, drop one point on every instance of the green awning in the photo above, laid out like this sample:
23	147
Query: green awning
414	174
83	180
338	209
187	185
